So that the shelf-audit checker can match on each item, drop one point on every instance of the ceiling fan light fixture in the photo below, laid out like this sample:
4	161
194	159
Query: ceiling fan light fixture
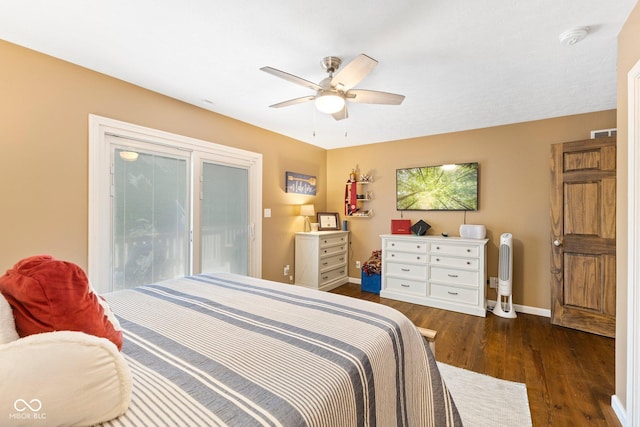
329	102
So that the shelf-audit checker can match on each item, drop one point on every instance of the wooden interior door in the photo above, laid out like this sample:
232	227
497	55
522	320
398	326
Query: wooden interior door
583	227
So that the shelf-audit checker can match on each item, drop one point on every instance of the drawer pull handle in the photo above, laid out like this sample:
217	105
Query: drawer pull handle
418	246
468	262
452	293
406	269
392	255
405	286
325	263
417	257
393	244
341	271
437	259
325	277
437	247
342	259
468	250
452	275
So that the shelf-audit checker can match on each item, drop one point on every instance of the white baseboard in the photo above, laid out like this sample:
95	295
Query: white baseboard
542	312
619	409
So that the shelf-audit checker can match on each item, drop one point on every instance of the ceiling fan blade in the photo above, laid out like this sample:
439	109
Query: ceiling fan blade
342	114
293	101
353	72
364	96
291	78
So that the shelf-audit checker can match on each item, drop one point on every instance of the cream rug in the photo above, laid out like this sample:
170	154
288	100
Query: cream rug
486	401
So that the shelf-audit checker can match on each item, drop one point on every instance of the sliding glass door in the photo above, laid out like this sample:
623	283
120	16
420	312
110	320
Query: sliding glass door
162	206
150	217
224	219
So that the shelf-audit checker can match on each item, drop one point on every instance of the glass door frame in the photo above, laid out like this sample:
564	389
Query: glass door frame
99	258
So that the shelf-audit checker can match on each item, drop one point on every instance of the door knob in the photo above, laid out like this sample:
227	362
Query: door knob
557	242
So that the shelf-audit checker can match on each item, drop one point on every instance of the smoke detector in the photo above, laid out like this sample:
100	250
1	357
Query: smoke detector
573	35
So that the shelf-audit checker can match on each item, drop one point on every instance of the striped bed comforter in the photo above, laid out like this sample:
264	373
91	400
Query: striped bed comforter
229	350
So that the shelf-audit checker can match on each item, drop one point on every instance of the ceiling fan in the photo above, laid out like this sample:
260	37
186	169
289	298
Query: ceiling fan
333	91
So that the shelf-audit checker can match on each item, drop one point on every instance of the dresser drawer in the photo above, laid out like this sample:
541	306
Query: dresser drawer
336	273
451	293
408	286
333	261
470	263
332	241
412	271
407	246
420	258
449	275
331	250
458	250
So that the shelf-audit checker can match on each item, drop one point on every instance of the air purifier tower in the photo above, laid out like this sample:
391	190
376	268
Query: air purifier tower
504	302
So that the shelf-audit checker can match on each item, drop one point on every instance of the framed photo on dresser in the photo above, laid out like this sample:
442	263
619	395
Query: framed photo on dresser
328	221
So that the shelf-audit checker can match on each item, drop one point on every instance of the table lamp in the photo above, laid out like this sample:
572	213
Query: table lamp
306	211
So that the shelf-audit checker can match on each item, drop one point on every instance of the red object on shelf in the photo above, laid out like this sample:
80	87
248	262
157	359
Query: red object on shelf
400	226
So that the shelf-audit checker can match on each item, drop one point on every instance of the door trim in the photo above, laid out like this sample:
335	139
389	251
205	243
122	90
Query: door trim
633	248
99	185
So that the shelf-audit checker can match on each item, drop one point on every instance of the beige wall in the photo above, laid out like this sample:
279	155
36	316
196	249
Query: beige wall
43	169
514	190
44	111
628	56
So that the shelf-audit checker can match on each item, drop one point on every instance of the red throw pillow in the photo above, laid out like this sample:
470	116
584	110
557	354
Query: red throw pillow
48	295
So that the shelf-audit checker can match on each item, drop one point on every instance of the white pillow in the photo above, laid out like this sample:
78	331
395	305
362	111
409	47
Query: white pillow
62	378
8	331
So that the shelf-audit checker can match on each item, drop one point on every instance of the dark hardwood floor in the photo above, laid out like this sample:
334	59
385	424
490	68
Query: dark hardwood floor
569	374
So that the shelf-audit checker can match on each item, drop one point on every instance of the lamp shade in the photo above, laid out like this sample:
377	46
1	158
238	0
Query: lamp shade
329	102
307	210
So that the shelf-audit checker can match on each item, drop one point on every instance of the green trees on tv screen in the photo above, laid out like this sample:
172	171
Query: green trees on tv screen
447	187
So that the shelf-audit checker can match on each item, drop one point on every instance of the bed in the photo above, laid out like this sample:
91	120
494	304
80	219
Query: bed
229	350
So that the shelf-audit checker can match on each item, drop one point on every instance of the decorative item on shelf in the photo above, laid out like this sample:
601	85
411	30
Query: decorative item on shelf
420	228
352	176
366	214
351	198
366	178
306	211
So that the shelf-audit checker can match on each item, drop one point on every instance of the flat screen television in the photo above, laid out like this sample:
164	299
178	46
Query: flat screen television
451	187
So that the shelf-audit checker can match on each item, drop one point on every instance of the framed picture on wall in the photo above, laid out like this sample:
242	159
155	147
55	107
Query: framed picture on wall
328	221
300	183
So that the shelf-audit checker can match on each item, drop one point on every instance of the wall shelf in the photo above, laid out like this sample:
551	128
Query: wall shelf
362	198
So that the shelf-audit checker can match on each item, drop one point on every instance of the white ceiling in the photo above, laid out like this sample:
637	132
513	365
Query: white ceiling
461	64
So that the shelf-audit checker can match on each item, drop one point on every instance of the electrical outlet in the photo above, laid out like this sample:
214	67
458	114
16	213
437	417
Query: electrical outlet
357	264
286	270
493	282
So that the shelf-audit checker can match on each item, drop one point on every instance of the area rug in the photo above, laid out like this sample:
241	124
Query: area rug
486	401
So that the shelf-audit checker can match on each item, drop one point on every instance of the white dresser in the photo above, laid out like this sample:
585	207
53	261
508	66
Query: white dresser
442	272
321	259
